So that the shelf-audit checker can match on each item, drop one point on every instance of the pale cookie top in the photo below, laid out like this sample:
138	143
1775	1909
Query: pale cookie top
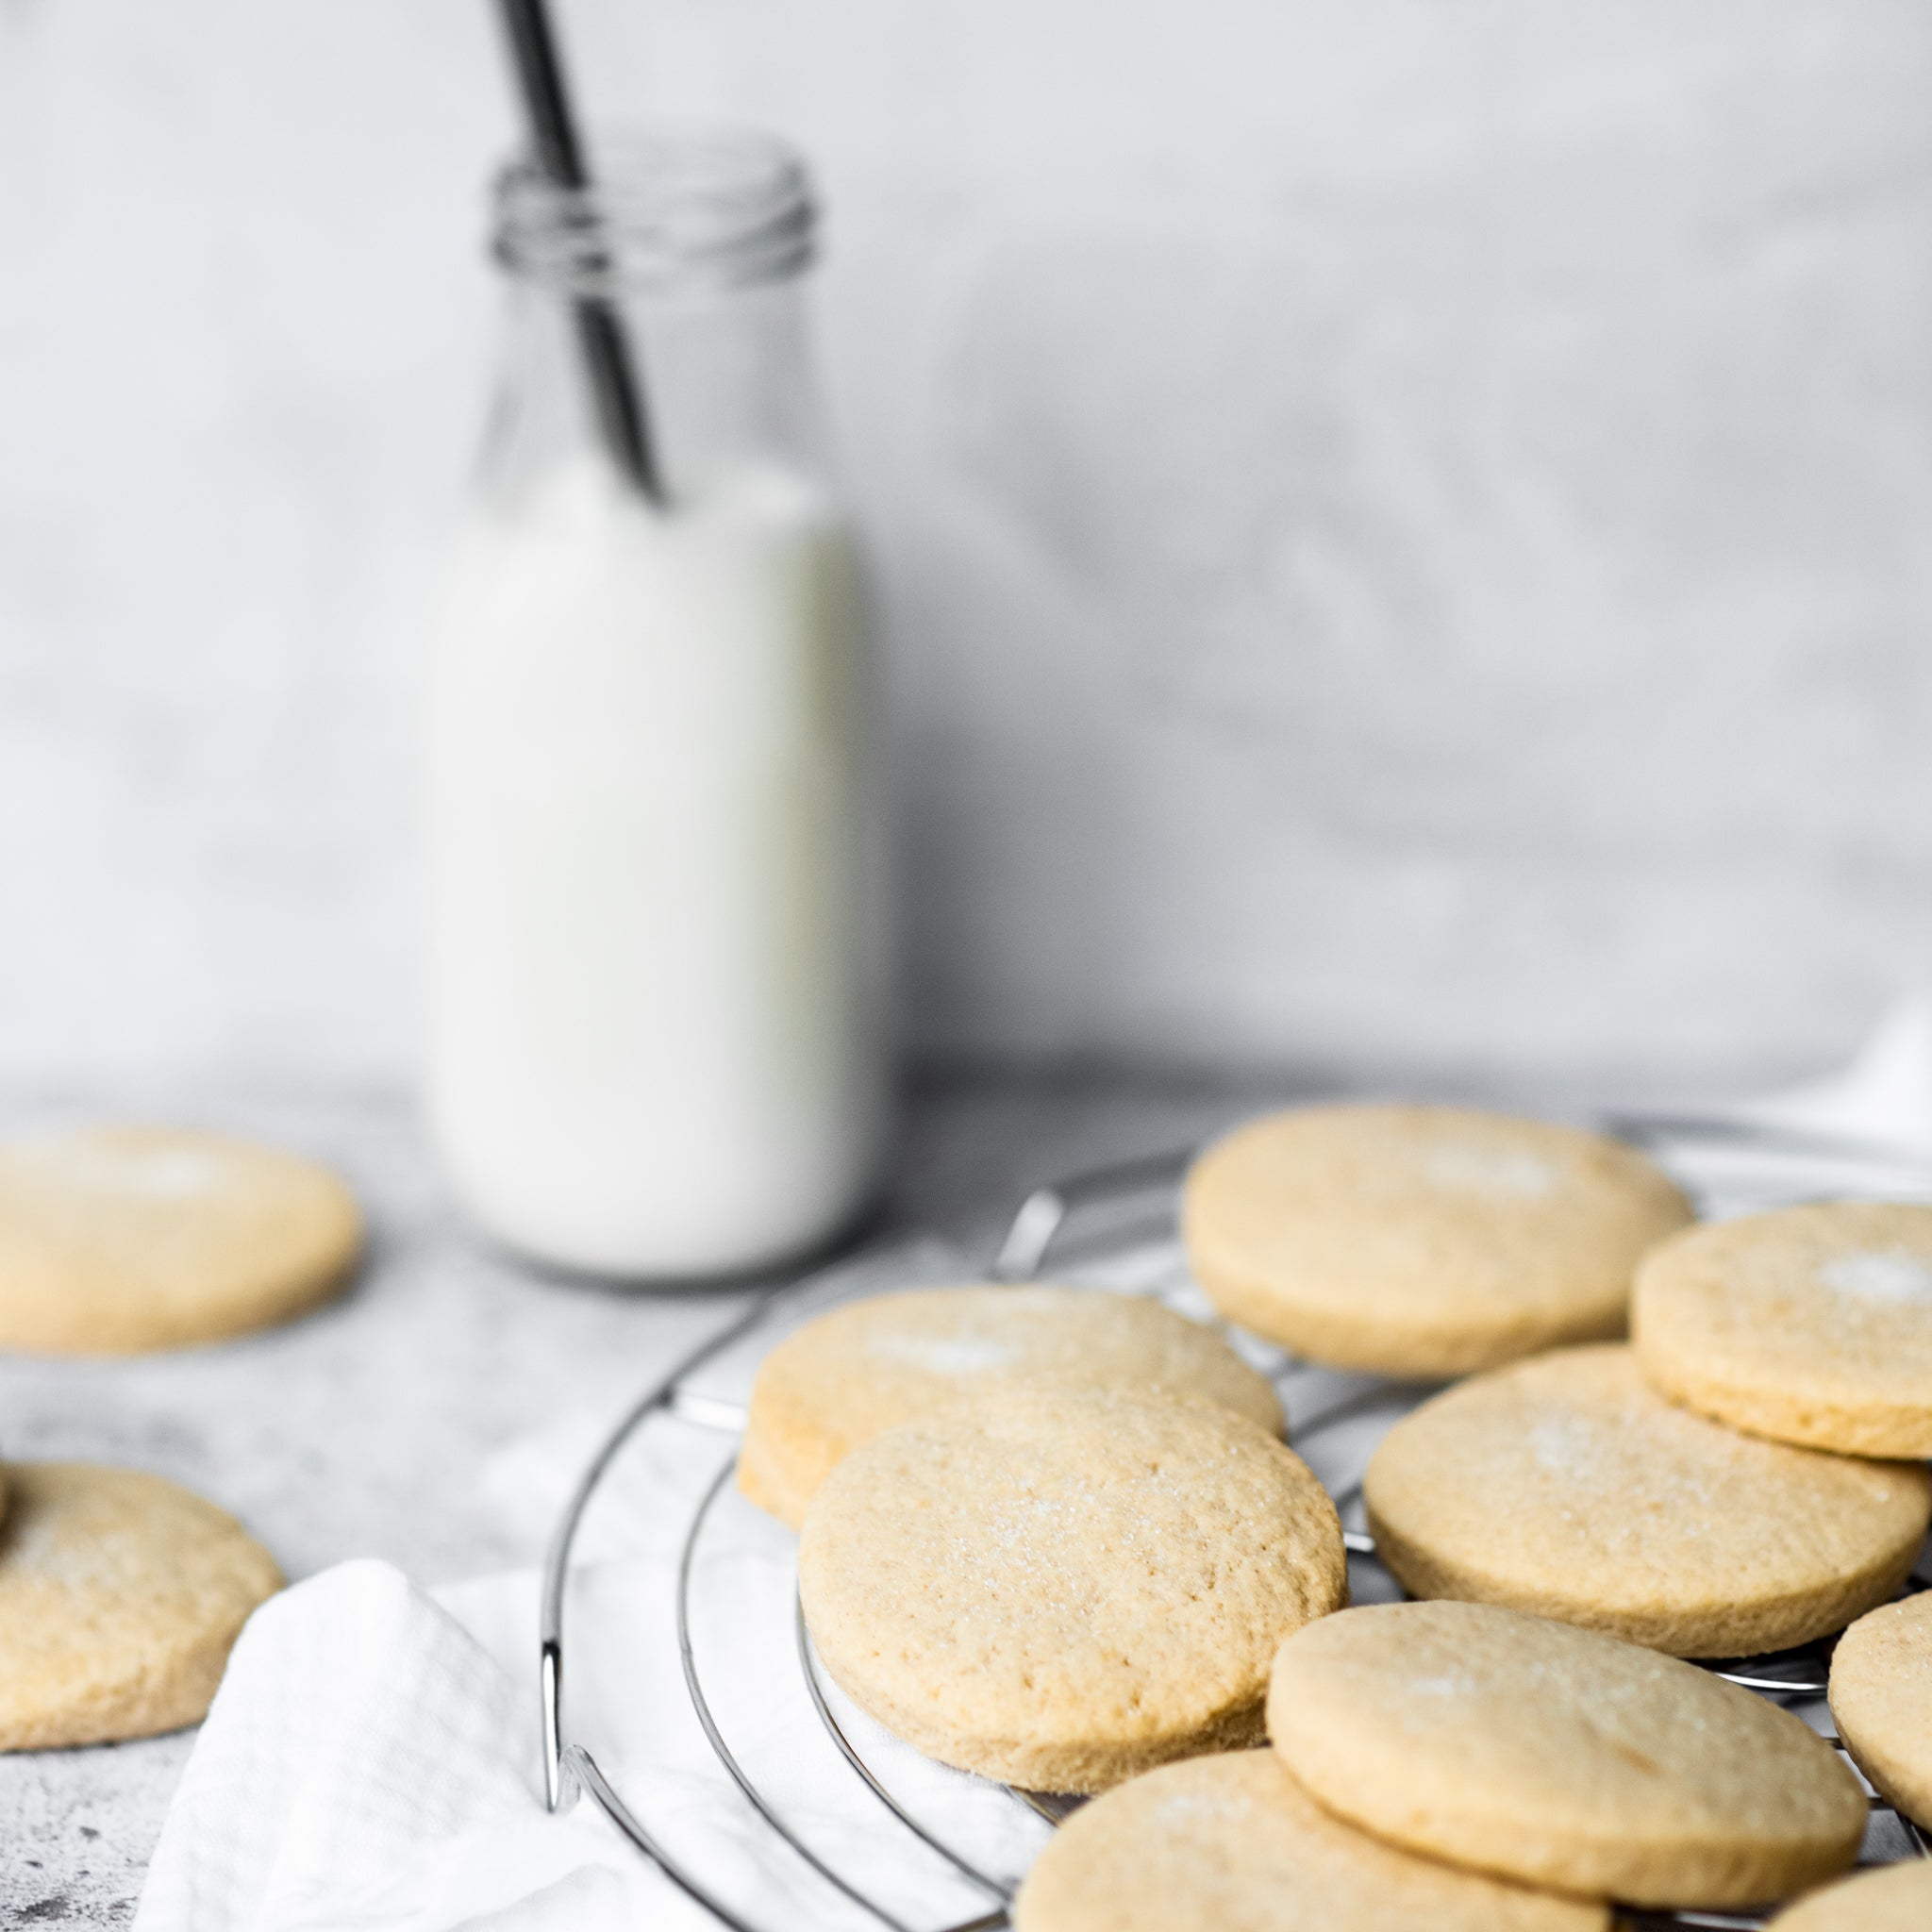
1559	1758
1232	1844
1421	1240
120	1596
1063	1584
1810	1325
117	1239
1897	1898
1881	1698
866	1367
1567	1486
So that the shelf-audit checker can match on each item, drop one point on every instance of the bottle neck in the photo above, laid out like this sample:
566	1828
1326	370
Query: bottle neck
668	215
690	250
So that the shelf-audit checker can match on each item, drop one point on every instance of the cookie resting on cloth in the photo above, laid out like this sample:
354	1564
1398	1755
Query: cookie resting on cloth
1421	1242
1559	1758
1062	1586
1233	1844
857	1370
1568	1487
114	1241
121	1595
1810	1325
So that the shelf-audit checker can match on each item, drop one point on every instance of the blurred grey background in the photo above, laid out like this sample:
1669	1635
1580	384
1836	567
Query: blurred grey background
1404	529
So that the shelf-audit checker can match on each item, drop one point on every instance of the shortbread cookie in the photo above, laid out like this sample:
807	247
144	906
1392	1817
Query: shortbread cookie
1897	1898
120	1598
1559	1758
1568	1487
1811	1325
1421	1242
1881	1700
118	1240
1232	1844
865	1368
1063	1585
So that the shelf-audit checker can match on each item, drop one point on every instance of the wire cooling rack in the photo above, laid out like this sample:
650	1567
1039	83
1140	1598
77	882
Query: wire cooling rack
717	1746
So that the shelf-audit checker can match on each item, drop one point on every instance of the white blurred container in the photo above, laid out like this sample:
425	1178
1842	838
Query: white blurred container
658	1030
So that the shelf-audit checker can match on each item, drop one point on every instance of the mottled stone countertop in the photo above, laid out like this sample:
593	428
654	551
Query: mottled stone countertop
361	1431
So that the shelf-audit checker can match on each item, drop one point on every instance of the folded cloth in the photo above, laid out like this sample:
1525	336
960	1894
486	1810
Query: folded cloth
367	1763
1861	1133
1884	1096
371	1761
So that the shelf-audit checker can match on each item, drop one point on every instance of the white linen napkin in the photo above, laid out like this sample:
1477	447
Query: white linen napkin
1884	1096
367	1763
371	1761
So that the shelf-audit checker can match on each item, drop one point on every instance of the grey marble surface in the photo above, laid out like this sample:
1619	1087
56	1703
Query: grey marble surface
361	1431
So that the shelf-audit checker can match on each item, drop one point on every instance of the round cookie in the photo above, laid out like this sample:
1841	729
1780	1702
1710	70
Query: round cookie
1232	1844
1881	1700
1062	1585
860	1369
1421	1242
1810	1325
1896	1898
118	1240
120	1598
1568	1487
1559	1758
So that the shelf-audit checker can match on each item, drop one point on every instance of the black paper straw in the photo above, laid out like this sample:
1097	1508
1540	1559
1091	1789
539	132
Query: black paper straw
615	389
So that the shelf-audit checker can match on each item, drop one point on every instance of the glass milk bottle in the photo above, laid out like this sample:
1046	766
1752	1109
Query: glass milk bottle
657	1039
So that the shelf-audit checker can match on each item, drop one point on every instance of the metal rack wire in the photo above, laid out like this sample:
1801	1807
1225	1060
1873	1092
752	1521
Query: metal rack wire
1100	1226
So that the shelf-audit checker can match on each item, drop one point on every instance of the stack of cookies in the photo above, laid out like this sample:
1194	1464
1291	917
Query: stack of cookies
1047	1535
1054	1536
121	1593
1457	1766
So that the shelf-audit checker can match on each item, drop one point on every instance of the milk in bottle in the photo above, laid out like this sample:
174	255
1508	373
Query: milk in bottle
657	1040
